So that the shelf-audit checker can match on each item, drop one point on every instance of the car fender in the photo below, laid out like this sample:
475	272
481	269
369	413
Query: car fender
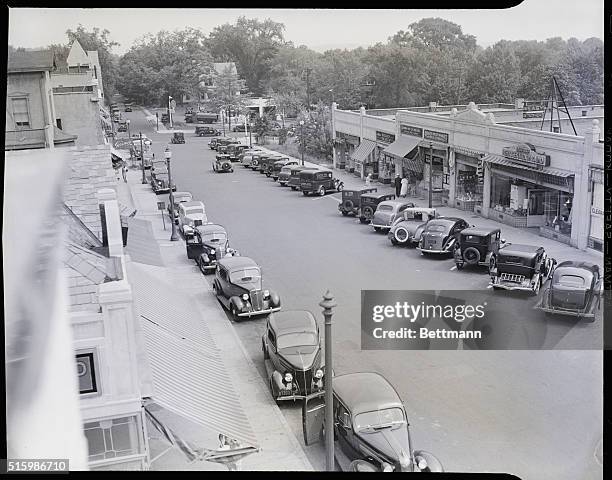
237	302
449	243
274	299
276	382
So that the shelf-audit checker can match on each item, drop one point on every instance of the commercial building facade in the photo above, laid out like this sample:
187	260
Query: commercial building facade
547	181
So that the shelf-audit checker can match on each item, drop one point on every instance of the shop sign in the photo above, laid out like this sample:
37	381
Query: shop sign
526	154
410	130
385	137
348	137
596	211
533	114
435	136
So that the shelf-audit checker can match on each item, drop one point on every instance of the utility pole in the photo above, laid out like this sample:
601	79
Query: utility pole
144	180
430	173
328	305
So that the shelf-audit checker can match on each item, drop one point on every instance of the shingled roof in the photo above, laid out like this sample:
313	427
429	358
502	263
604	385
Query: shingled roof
31	61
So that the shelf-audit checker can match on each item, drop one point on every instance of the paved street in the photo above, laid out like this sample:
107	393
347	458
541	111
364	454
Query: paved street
536	414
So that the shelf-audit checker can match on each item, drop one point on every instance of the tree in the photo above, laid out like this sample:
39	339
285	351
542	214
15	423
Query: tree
168	63
250	43
100	41
229	92
496	75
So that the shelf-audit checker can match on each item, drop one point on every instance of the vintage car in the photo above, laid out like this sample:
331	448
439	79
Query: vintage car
477	246
294	179
279	164
369	203
386	213
189	117
178	137
179	197
239	128
319	181
351	200
266	162
408	226
440	235
160	181
270	164
370	426
206	117
291	347
223	145
256	158
145	140
238	287
202	131
246	156
234	150
222	163
521	267
576	289
128	108
285	174
191	214
206	245
213	143
122	127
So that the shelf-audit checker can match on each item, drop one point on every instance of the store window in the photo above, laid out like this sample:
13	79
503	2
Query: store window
21	115
558	211
113	438
86	373
468	185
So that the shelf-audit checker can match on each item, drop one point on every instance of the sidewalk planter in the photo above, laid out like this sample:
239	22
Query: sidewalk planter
465	205
518	221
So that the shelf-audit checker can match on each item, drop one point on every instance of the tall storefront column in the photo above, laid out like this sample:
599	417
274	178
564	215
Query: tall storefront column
452	174
333	116
486	190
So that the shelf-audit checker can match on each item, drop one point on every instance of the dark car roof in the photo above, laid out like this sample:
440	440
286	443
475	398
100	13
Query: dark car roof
315	171
231	263
211	228
519	250
365	392
299	168
293	321
283	160
447	221
480	231
374	195
576	268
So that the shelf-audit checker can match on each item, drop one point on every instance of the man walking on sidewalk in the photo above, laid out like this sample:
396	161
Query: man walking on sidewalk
398	185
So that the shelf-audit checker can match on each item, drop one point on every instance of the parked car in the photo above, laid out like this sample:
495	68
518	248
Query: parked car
179	197
521	267
576	289
386	213
370	426
266	162
409	225
477	246
189	117
239	128
369	204
222	163
178	137
191	214
206	245
256	158
351	200
207	117
294	179
278	165
165	118
160	182
206	131
235	149
320	182
122	127
238	286
128	108
441	234
246	157
213	143
223	144
145	140
291	346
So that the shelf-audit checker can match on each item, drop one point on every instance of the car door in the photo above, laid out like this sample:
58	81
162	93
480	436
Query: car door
222	280
271	347
344	428
194	245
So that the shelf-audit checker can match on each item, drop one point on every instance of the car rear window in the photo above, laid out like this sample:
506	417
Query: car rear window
369	422
385	208
248	275
194	211
436	228
472	239
571	281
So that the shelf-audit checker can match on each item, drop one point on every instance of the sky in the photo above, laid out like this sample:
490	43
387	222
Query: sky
316	28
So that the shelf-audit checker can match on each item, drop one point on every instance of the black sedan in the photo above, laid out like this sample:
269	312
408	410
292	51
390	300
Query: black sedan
440	235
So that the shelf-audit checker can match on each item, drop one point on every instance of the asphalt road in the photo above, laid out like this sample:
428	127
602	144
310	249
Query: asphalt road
536	414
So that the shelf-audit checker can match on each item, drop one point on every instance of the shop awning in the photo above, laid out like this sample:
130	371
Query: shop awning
402	146
499	160
363	150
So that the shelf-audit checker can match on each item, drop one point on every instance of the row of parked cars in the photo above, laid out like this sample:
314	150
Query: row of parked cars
575	289
368	412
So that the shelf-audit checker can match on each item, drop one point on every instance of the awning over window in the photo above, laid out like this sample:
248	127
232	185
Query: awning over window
363	150
402	146
499	160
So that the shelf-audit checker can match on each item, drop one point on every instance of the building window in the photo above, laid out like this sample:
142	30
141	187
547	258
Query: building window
21	116
113	438
58	121
86	371
95	72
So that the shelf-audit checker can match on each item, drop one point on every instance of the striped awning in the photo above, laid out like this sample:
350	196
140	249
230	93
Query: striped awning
363	151
468	151
402	146
499	160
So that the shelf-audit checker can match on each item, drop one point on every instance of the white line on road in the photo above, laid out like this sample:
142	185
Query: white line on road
454	267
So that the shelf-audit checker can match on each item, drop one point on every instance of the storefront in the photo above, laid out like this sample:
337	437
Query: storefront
596	227
526	192
386	165
345	145
364	161
467	168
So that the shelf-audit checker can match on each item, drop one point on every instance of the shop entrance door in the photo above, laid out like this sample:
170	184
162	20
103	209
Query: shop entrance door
535	209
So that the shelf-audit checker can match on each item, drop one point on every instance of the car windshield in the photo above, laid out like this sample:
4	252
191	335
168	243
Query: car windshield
194	211
527	262
247	275
419	216
472	239
297	342
571	281
436	228
370	422
214	237
385	208
286	169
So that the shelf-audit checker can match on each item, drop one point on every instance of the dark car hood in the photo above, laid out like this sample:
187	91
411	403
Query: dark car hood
249	287
389	443
299	362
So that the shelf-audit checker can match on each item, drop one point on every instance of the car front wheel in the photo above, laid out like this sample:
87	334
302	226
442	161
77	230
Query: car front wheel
321	191
234	313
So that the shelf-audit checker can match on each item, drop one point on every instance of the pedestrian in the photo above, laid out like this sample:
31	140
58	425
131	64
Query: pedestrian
124	171
398	185
404	190
368	180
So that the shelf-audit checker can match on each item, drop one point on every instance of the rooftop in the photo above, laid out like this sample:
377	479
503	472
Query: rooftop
31	61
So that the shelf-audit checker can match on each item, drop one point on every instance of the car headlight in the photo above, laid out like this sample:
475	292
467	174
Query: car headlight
319	373
212	251
288	377
245	297
266	293
387	467
422	464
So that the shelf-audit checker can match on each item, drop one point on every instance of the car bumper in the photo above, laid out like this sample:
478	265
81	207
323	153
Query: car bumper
380	225
427	250
511	286
253	313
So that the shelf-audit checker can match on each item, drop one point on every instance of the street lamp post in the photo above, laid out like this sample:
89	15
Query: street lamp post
169	111
303	142
144	181
168	155
430	172
328	305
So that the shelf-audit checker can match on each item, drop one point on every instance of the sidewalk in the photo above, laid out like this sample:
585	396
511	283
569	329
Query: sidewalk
558	250
280	450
